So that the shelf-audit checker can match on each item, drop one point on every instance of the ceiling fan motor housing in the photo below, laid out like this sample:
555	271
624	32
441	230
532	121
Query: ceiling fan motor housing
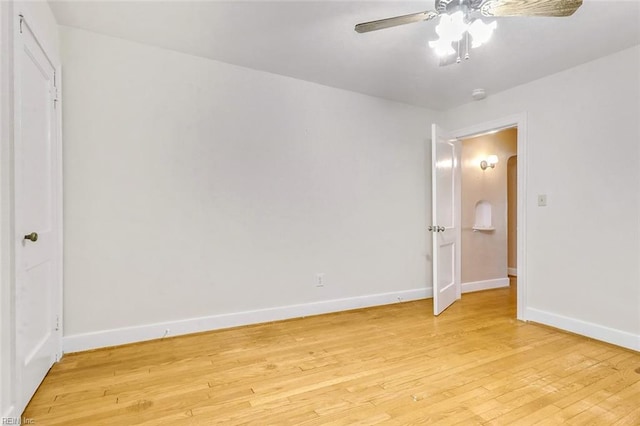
451	6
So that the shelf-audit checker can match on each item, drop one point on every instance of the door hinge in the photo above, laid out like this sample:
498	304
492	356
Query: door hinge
21	21
57	322
55	96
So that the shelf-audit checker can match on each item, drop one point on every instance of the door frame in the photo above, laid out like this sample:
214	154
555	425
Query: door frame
520	122
20	16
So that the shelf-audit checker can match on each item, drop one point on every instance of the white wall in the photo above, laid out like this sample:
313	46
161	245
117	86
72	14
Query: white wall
43	22
195	188
583	138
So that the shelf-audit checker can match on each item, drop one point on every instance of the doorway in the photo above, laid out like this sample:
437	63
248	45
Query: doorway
485	222
519	122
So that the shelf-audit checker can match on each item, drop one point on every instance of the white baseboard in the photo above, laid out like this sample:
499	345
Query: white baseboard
485	285
512	271
121	336
584	328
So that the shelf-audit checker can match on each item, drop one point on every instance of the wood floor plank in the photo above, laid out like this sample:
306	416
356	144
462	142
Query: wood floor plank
392	365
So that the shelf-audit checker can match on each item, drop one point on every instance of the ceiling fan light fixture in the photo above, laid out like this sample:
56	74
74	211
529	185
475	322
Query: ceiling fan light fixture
452	27
456	24
442	47
481	32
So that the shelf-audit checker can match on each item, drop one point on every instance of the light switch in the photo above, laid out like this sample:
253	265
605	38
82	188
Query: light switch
542	200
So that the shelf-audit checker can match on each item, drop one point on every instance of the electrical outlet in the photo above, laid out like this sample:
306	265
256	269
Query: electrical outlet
542	200
320	279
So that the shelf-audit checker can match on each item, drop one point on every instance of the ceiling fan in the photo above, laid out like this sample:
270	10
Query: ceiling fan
461	21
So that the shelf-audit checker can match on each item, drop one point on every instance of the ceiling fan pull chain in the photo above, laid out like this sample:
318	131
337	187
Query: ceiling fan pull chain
466	40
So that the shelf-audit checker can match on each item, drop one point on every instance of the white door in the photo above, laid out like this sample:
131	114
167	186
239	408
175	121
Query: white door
446	219
38	291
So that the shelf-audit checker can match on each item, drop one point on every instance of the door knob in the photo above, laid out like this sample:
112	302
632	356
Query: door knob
431	228
441	228
32	237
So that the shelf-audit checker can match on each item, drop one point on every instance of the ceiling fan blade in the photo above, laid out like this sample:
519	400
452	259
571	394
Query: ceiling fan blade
530	7
365	27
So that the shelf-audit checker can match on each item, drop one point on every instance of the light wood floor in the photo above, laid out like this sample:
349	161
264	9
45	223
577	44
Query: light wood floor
395	365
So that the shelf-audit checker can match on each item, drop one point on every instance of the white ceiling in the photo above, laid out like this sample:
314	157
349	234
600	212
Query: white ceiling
315	41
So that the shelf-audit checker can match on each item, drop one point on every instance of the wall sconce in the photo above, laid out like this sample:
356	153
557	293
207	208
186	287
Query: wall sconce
491	161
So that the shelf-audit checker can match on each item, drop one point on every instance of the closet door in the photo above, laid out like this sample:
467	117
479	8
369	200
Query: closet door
37	208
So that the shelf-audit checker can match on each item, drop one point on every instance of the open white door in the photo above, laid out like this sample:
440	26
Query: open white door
445	199
37	215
